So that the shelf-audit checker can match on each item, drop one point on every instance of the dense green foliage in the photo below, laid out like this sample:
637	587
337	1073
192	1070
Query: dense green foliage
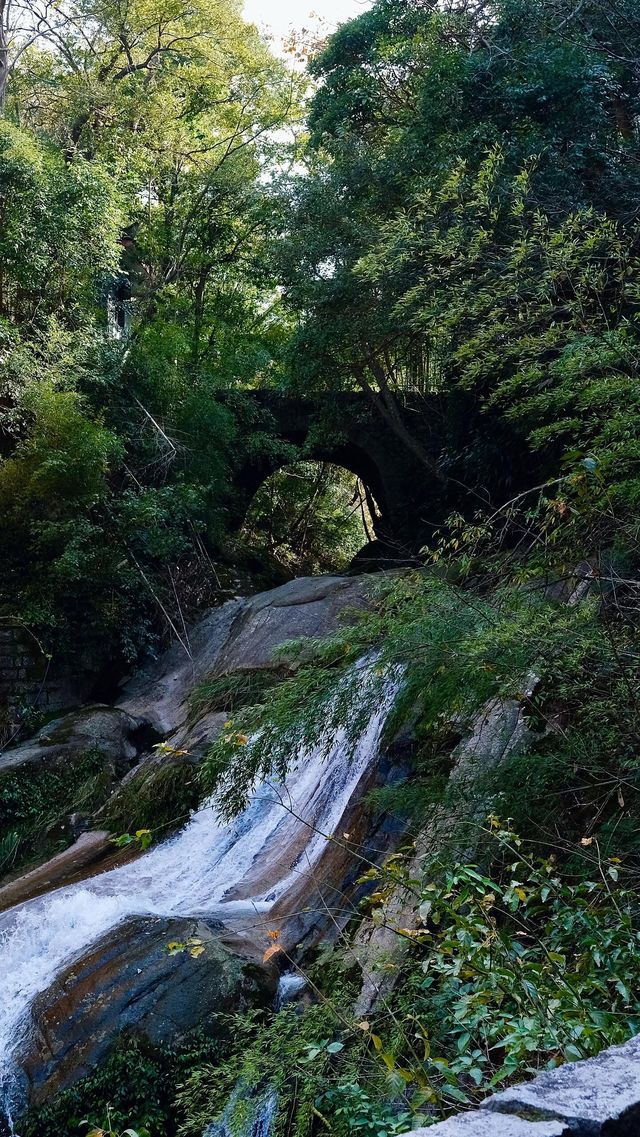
312	517
130	166
155	799
515	972
463	219
137	1084
35	804
469	220
456	236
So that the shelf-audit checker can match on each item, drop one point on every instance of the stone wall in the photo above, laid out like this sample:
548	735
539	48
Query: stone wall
23	671
29	685
596	1098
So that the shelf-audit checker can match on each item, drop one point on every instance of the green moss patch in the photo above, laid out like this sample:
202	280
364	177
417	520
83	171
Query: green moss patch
157	797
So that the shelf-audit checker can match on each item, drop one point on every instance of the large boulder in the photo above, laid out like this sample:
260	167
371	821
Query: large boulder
162	977
51	784
242	635
110	730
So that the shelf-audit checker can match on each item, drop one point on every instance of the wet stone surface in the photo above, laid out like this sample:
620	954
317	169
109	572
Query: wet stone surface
132	979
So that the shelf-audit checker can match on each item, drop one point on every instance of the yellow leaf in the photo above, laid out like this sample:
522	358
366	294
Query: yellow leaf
377	1042
273	934
406	1075
194	952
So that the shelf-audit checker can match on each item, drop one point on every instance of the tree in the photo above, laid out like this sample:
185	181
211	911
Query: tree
423	114
133	156
22	24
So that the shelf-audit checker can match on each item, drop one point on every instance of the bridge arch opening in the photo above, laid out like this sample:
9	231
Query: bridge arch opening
311	516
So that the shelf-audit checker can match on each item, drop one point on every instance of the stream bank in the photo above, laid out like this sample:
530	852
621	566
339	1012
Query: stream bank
72	955
295	883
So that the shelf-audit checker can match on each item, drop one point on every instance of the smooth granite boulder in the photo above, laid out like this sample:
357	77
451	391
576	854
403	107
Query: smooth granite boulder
241	635
109	730
132	979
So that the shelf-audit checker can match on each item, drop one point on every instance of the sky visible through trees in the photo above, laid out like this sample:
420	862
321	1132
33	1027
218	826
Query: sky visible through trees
279	16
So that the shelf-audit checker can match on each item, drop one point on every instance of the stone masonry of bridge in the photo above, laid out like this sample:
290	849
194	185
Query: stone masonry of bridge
346	430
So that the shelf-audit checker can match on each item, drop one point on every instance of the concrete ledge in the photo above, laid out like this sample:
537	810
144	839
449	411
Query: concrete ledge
492	1125
598	1096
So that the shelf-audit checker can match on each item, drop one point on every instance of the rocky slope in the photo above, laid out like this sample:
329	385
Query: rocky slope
131	976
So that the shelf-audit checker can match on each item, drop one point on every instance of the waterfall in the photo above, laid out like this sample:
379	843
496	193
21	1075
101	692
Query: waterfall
260	1124
189	874
290	985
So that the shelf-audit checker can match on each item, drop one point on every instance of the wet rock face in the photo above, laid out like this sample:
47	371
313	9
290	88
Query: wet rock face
132	980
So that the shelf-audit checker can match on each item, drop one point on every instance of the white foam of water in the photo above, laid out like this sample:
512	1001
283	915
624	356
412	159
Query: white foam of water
290	984
188	874
260	1124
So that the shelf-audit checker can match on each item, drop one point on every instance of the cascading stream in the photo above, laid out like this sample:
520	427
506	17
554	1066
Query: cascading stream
188	874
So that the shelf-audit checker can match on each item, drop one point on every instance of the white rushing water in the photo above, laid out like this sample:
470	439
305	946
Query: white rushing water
188	874
290	985
260	1123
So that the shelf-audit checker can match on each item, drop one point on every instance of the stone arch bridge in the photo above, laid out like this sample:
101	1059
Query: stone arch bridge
346	430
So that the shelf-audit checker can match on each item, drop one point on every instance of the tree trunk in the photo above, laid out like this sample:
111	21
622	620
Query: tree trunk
4	55
385	403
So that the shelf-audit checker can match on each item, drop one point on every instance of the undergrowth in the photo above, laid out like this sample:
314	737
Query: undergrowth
36	801
157	799
230	692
